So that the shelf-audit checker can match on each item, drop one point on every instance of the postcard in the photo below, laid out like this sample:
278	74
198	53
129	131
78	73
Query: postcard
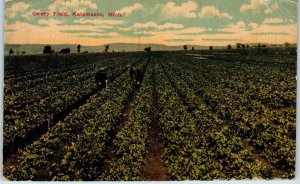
139	90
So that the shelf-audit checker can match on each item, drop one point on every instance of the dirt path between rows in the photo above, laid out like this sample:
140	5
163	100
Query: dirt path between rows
154	169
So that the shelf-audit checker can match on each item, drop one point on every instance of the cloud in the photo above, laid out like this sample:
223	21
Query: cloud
259	7
10	30
156	26
16	8
141	34
181	32
255	6
58	34
171	10
92	36
96	35
50	22
272	8
55	34
278	21
28	14
99	21
81	28
270	25
179	40
271	33
151	24
211	11
129	9
69	5
126	29
264	32
290	1
211	32
273	20
251	26
221	39
240	25
81	31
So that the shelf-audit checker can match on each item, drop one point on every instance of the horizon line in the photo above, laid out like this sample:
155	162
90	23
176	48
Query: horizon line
295	43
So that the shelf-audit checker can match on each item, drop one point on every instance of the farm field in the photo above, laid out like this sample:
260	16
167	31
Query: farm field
199	115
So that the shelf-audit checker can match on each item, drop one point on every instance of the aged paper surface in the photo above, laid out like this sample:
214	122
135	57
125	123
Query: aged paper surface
119	90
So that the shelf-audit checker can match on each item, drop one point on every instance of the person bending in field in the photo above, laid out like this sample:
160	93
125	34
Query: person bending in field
132	73
139	77
101	78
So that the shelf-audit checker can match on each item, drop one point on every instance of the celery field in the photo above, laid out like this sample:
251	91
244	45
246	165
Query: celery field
197	115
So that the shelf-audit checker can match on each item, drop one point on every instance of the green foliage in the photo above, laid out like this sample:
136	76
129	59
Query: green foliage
221	118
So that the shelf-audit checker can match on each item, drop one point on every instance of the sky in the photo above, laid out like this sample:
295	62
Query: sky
177	22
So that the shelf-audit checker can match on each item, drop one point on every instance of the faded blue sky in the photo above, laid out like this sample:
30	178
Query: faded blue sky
198	22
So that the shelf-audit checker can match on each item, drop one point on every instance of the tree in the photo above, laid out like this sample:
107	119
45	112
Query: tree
48	49
66	50
193	48
185	47
78	48
287	44
106	47
211	48
11	52
229	46
243	46
147	49
238	45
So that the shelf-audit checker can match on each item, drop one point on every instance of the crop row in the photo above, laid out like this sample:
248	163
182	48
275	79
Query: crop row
44	153
129	146
23	68
183	158
38	154
251	121
274	86
261	59
270	130
25	93
231	158
85	158
20	124
12	86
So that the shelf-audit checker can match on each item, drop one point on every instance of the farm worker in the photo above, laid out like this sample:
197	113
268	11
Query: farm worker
132	73
139	77
101	78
